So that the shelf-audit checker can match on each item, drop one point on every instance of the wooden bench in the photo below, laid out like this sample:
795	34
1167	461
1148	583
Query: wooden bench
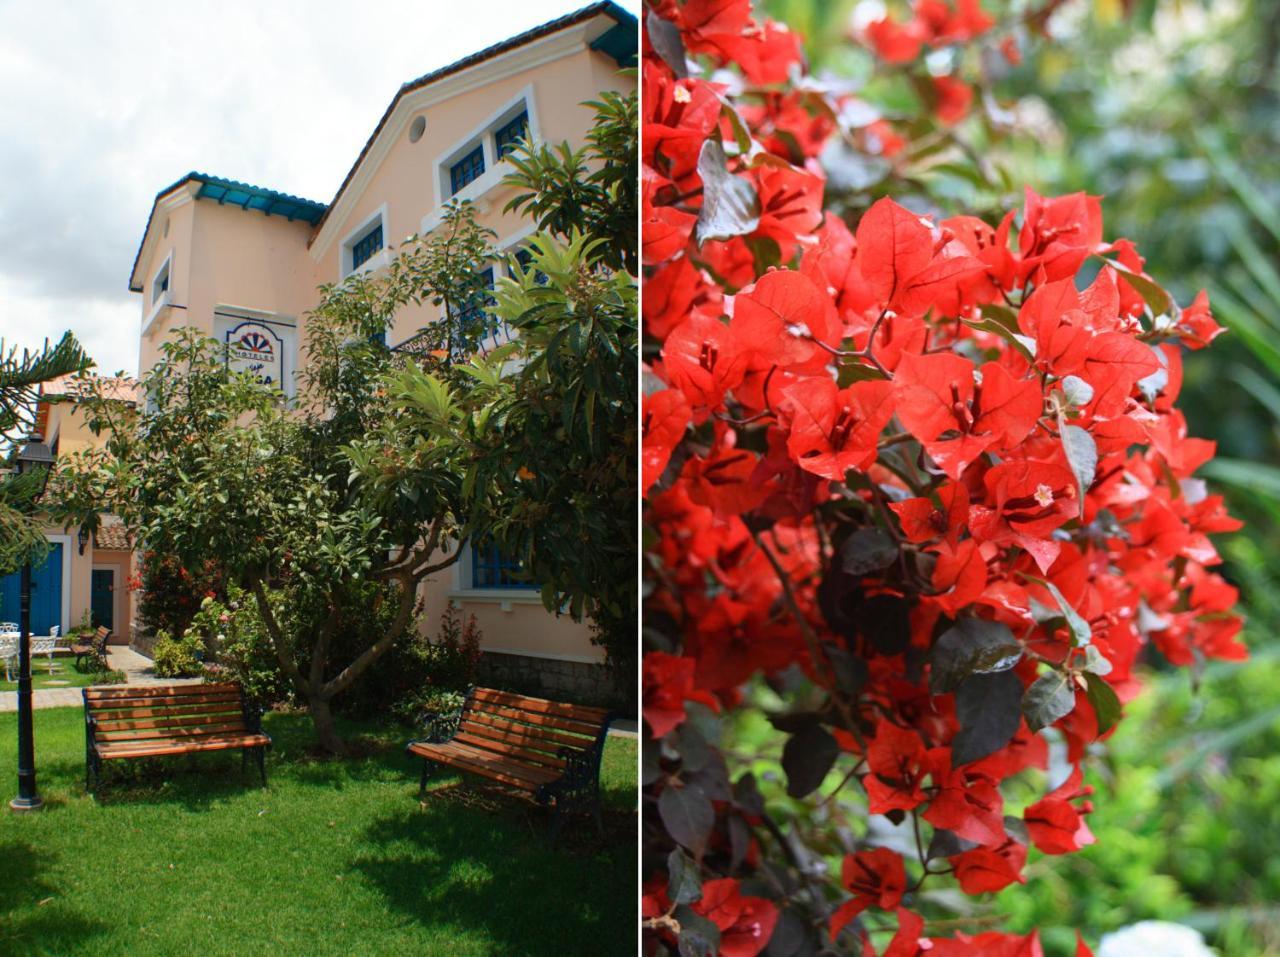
146	721
95	647
548	749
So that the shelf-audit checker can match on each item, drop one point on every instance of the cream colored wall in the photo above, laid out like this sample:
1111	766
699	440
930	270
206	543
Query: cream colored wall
68	428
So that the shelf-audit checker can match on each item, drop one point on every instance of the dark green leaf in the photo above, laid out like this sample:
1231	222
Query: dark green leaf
699	937
885	621
867	550
1081	633
684	885
807	757
1105	703
850	671
667	43
687	815
1050	697
946	843
988	708
972	646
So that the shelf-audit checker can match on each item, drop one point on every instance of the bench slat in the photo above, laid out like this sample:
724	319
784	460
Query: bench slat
180	746
116	737
522	755
162	691
520	777
541	720
505	724
107	725
517	737
138	714
583	713
187	701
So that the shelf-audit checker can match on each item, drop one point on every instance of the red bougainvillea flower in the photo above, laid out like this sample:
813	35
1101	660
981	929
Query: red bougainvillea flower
745	923
895	758
983	869
875	878
1055	825
954	97
666	416
833	429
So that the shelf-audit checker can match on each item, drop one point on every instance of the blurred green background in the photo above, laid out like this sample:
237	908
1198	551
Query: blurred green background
1171	111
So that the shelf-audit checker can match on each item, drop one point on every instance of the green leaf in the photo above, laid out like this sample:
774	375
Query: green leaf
1049	698
1152	293
730	206
1082	456
1078	392
973	646
1081	633
1094	661
1105	703
1022	343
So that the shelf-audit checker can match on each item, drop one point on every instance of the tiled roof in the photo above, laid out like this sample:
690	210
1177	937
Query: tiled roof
112	535
120	388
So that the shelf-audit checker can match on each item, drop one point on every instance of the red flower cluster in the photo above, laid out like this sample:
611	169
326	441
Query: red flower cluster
912	459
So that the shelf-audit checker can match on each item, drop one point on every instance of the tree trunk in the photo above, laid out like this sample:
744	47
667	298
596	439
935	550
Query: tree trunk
326	730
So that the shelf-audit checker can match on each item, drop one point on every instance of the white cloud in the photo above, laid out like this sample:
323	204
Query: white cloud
105	104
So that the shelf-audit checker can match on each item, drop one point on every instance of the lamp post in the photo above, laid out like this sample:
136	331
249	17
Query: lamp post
36	455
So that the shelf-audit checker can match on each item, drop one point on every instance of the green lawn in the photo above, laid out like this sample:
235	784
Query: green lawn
334	857
66	675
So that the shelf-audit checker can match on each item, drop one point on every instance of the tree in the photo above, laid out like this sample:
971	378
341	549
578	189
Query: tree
20	378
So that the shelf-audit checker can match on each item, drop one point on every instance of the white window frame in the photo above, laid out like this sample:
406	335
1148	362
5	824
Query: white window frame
158	302
494	169
379	259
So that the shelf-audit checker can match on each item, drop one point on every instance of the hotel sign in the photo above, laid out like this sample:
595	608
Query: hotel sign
260	348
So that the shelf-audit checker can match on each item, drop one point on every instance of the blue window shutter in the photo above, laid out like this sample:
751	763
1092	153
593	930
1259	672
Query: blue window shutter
468	169
362	249
506	136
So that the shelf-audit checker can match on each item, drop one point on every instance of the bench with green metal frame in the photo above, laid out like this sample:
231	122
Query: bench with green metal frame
147	721
546	748
95	648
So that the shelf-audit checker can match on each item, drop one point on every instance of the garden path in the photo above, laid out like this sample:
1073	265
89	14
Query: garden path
138	670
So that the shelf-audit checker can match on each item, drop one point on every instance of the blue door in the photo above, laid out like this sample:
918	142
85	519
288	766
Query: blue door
46	594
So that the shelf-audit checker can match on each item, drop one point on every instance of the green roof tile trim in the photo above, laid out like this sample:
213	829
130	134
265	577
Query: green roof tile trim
233	192
269	201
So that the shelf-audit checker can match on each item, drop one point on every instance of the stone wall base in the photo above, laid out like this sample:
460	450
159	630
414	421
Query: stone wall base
143	644
573	681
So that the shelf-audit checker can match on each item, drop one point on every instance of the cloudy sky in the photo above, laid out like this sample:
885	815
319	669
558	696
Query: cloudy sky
106	103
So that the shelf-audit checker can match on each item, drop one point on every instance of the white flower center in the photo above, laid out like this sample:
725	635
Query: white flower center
1044	495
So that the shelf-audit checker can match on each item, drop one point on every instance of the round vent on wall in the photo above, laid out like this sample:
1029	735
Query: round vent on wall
416	128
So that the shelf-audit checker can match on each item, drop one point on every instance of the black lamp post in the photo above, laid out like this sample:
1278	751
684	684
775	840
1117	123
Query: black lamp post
36	455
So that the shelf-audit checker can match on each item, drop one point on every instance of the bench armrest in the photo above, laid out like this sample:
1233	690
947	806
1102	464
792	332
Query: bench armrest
440	726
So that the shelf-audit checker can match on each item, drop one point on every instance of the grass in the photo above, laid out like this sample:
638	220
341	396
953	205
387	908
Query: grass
184	856
66	676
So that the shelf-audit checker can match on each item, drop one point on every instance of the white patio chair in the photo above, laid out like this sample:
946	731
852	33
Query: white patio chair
9	652
44	645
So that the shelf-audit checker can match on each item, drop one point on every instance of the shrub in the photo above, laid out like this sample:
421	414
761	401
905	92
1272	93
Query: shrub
239	647
919	496
448	668
178	658
170	593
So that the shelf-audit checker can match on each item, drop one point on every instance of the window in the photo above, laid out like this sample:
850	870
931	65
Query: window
525	258
467	169
160	285
491	569
362	249
506	136
474	310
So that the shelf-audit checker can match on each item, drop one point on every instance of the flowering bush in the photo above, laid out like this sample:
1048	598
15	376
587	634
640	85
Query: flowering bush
916	485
